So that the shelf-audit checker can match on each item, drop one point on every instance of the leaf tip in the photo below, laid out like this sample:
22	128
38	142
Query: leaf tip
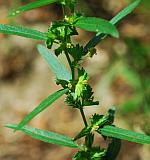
116	34
12	126
39	46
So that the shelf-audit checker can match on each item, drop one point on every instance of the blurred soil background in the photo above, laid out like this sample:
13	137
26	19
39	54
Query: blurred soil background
120	76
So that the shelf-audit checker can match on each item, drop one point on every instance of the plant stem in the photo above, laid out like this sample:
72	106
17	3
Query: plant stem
83	117
67	55
70	64
64	10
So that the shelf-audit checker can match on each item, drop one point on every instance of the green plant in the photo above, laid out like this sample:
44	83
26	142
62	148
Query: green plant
75	85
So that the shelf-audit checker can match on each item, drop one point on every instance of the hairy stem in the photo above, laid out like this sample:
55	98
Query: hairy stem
83	117
67	55
70	64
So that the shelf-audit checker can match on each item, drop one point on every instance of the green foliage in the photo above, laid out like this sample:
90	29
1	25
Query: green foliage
22	31
125	12
88	98
30	6
144	6
119	133
113	149
97	25
75	85
81	86
77	53
93	154
42	106
58	69
46	136
60	32
96	122
80	92
99	36
99	120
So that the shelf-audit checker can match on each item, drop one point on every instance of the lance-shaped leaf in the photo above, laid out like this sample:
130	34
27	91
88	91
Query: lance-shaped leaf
22	31
46	136
123	13
119	133
58	69
113	149
94	24
42	106
30	6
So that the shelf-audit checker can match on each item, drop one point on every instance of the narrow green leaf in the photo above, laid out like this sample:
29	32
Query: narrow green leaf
94	24
99	36
113	149
59	70
46	136
125	12
119	133
94	41
42	106
22	31
30	6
